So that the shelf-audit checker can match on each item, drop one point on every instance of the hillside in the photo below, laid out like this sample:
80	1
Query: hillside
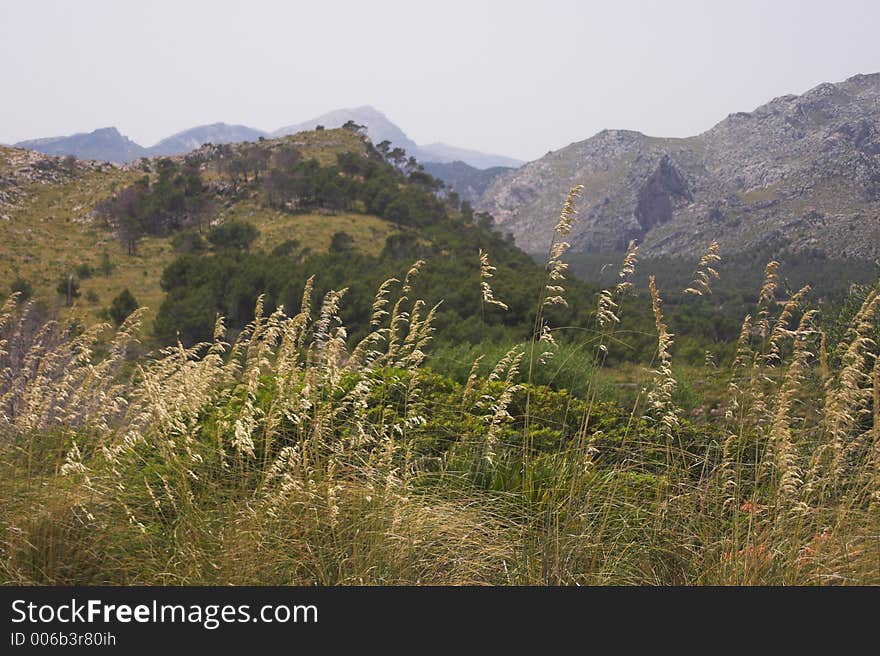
364	395
324	202
446	154
801	173
379	127
108	145
49	226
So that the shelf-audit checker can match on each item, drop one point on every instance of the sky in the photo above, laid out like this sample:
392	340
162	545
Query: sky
512	78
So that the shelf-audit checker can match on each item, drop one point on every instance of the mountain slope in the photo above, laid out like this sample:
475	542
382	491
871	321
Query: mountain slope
443	153
216	133
49	227
105	144
801	173
324	202
469	182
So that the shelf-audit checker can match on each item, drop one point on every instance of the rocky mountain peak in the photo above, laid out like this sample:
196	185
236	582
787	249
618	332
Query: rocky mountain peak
107	133
800	172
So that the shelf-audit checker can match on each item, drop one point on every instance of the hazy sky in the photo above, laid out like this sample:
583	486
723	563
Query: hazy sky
515	78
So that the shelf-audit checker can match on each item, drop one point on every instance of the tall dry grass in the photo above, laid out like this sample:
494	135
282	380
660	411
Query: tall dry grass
292	456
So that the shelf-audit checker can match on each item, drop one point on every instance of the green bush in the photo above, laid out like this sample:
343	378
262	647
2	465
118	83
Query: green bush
188	241
24	289
68	287
106	267
233	235
122	306
341	242
84	271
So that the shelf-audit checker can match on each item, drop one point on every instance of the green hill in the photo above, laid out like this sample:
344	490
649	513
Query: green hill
50	227
325	202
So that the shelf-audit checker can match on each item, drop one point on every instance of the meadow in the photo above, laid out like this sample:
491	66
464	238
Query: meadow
291	454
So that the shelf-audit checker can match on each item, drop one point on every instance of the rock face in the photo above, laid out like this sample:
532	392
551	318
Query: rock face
105	144
799	173
20	169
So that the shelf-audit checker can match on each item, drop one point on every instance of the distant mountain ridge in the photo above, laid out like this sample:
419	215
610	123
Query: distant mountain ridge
469	182
194	138
105	144
109	145
445	154
800	173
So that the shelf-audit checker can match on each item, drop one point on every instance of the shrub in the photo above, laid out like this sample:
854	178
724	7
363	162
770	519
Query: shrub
122	306
106	267
235	235
22	287
188	241
84	271
68	287
341	242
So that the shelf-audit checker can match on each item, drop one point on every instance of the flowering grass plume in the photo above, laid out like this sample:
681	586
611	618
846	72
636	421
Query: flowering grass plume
609	299
705	273
556	268
660	401
486	272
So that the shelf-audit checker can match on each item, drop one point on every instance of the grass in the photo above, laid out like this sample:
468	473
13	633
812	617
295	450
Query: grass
325	145
762	195
295	457
312	231
50	233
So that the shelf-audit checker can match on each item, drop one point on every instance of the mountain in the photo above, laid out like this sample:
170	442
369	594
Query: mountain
380	128
469	182
800	173
109	145
216	133
105	144
439	152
